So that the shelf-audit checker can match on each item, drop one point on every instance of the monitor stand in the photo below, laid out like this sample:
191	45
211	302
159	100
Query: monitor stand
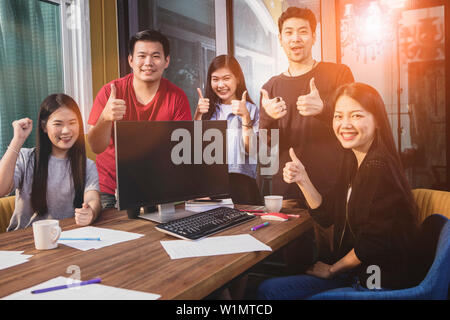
165	212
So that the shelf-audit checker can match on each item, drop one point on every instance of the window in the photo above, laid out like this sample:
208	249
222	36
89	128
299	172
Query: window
30	60
400	51
256	44
41	55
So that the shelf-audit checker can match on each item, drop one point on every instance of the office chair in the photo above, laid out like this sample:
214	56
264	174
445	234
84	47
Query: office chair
7	205
435	285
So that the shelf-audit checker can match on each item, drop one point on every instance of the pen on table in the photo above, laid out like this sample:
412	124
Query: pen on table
97	239
261	213
259	226
66	286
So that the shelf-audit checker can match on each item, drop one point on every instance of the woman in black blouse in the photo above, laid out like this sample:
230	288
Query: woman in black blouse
372	208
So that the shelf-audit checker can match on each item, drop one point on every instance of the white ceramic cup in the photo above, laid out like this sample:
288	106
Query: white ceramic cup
46	234
273	203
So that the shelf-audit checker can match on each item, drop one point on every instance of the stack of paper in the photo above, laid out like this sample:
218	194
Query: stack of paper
107	237
87	292
205	206
178	249
12	258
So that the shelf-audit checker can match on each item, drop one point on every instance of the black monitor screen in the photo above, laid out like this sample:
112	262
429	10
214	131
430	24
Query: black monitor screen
152	169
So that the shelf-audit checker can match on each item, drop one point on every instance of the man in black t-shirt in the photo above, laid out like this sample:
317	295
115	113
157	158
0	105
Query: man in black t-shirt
295	102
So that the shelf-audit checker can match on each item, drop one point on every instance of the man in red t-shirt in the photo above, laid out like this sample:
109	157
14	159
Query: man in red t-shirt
142	95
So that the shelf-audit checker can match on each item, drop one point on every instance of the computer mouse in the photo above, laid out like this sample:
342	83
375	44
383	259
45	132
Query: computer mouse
277	216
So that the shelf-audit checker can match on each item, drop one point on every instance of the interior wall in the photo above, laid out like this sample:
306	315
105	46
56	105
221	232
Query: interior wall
329	46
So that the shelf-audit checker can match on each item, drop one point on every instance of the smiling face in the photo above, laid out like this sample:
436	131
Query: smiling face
297	39
62	128
353	125
224	85
148	61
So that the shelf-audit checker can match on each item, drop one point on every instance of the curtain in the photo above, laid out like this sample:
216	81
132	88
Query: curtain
30	62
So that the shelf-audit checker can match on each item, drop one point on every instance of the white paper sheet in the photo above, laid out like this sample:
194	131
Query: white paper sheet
108	237
87	292
212	246
200	207
12	258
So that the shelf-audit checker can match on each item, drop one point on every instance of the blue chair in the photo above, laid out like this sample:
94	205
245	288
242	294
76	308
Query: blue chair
435	286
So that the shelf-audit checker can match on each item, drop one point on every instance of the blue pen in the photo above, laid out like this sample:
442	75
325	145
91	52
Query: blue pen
97	239
66	286
259	226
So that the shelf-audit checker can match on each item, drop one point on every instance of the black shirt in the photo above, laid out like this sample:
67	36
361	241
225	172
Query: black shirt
378	221
311	137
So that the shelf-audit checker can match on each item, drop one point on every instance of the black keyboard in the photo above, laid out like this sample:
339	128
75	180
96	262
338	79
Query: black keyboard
205	223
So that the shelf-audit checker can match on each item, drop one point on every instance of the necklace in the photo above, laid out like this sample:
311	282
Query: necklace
312	67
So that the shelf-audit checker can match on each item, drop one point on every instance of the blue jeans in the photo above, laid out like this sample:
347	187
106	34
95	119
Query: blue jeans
303	286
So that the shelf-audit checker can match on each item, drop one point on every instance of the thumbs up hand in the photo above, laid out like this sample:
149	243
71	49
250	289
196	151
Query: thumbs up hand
115	108
203	103
275	108
294	171
239	107
84	215
310	104
202	106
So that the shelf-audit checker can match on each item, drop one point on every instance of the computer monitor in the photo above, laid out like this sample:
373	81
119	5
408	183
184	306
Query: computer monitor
159	163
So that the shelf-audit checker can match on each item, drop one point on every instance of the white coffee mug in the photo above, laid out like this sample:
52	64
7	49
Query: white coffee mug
273	203
46	234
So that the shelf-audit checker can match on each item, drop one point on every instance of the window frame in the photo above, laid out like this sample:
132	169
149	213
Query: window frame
76	53
220	6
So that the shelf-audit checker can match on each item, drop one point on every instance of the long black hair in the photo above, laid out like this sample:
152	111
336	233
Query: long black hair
76	154
223	61
369	98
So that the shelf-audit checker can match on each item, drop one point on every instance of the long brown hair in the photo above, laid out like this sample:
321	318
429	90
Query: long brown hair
224	61
76	154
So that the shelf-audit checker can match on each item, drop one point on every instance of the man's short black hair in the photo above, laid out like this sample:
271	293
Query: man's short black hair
296	12
150	35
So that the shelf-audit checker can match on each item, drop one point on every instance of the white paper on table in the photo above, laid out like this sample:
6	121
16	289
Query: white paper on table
107	237
10	253
12	262
12	258
178	249
87	292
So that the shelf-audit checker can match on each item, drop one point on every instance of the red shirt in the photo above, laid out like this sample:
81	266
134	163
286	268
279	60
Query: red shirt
169	103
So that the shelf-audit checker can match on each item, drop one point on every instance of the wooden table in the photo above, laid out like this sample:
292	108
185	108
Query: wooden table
143	264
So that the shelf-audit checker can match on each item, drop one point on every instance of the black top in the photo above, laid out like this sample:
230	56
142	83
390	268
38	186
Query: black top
378	221
311	137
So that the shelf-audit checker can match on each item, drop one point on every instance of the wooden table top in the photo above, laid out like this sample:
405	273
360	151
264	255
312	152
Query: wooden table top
143	264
